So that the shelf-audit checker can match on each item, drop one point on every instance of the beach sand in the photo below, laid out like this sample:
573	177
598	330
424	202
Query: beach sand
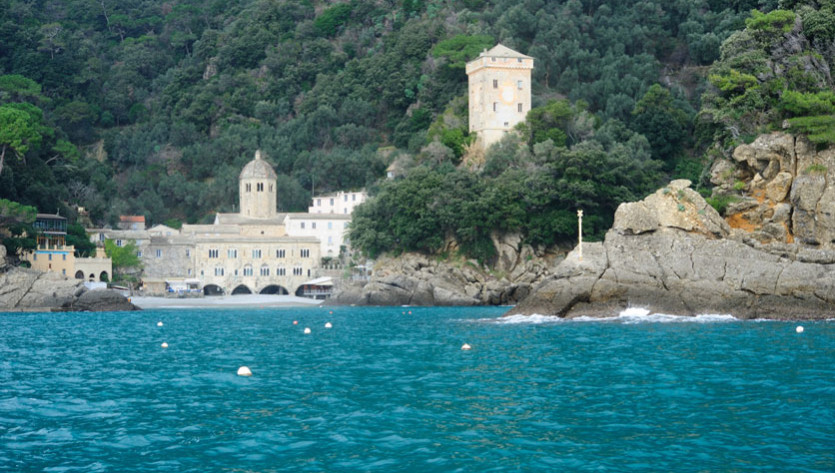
247	300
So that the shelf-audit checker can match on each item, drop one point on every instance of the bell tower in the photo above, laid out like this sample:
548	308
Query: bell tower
257	192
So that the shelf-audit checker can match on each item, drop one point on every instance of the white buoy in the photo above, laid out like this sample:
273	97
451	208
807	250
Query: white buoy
244	371
328	325
164	345
799	329
466	346
306	330
159	324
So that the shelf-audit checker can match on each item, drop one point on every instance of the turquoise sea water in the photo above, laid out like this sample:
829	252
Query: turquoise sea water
385	390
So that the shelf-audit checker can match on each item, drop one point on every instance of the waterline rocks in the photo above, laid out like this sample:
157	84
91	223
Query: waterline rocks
686	264
23	289
413	279
99	300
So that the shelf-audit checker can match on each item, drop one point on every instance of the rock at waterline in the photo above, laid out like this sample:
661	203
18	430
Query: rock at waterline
667	253
100	300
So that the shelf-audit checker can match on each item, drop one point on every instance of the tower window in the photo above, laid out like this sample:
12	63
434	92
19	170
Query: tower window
259	186
495	106
495	83
313	225
519	84
518	107
249	187
519	60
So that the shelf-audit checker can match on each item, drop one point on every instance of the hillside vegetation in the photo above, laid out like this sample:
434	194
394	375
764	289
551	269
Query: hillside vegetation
152	108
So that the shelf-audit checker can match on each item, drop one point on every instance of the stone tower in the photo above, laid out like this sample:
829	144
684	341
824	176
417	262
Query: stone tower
500	92
257	189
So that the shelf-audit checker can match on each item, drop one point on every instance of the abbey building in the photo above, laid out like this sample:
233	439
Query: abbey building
256	250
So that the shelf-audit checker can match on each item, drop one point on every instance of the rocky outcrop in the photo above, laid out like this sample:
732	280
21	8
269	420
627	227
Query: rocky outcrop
100	300
413	279
23	289
684	265
787	190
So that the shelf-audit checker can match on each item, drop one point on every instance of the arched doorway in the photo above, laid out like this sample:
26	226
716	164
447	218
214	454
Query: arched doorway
242	289
79	274
212	290
92	277
103	277
274	289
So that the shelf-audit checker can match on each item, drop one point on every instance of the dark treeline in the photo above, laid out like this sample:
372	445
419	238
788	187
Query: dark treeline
142	107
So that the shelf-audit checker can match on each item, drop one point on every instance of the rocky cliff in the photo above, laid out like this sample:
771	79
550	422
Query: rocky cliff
413	279
672	253
23	289
782	190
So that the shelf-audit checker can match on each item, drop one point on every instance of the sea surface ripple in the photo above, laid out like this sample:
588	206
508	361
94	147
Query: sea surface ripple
389	389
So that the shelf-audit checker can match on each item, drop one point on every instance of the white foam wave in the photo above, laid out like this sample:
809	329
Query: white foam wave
641	315
529	319
632	315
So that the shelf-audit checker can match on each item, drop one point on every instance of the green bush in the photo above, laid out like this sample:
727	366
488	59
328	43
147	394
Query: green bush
771	23
819	129
721	202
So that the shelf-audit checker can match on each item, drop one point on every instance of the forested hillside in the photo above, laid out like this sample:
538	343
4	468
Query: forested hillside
152	108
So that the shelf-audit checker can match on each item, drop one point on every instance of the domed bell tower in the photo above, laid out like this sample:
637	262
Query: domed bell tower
257	193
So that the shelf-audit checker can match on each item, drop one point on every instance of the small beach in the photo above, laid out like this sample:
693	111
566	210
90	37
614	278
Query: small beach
244	300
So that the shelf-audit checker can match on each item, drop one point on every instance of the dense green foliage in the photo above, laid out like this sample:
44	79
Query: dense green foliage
142	107
774	74
166	101
531	190
16	231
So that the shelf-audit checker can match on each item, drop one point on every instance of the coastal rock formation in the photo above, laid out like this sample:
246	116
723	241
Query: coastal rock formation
23	289
100	300
787	191
680	263
413	279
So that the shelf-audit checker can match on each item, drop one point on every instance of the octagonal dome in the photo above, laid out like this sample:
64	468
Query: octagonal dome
258	169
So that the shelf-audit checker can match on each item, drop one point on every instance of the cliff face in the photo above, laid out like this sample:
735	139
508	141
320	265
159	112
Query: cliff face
672	253
788	190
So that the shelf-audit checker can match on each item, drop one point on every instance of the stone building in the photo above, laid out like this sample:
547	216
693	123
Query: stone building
500	92
246	252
